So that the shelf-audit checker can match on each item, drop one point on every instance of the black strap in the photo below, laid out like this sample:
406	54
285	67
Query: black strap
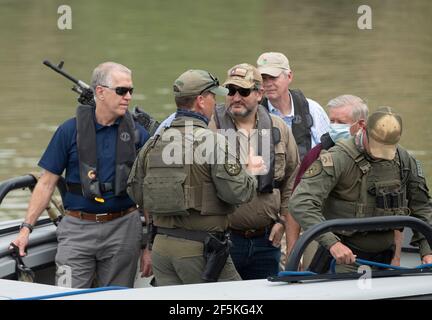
302	122
76	188
193	235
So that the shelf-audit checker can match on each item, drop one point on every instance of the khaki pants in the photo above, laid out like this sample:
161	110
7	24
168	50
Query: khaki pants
180	261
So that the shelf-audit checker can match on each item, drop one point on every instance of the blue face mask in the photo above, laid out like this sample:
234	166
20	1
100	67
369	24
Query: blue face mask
339	131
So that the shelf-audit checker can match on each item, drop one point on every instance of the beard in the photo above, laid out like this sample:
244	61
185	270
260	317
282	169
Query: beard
242	113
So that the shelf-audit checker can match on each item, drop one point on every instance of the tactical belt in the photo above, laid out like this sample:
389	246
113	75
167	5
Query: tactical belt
99	217
252	233
75	188
193	235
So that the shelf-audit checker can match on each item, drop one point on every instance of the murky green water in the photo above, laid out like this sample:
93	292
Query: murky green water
158	40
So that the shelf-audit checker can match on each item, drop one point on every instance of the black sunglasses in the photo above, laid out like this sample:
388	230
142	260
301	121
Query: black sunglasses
121	91
242	91
215	83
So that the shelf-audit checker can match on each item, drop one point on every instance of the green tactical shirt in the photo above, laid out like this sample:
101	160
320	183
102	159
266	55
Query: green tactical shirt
335	175
232	184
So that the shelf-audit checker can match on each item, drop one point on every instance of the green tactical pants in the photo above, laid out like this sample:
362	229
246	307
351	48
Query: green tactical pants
180	261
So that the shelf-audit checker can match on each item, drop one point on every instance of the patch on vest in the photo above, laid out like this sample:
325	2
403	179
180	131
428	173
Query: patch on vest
314	170
326	159
233	169
125	136
420	172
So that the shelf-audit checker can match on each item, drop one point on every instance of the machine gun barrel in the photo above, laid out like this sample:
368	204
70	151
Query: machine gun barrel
58	69
80	87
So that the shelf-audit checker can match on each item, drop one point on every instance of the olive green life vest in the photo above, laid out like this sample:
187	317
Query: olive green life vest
175	188
382	187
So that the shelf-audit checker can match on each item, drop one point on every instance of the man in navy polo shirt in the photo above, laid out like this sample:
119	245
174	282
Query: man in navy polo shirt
99	239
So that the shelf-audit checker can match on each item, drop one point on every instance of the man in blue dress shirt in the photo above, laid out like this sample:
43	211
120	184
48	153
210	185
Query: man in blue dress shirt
99	238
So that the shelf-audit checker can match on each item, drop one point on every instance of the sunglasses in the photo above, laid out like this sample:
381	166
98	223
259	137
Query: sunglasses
242	91
121	91
215	83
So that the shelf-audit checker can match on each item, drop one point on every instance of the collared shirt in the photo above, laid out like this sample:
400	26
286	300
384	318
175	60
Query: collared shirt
265	207
166	123
188	113
321	122
62	154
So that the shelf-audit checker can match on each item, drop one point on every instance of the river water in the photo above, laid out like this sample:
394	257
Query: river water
389	64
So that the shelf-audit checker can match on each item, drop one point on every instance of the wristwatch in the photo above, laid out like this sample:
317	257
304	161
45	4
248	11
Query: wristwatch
27	225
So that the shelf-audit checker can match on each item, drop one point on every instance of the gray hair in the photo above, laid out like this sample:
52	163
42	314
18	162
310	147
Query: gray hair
359	107
103	72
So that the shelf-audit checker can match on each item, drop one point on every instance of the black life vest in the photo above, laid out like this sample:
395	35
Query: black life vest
127	135
301	123
223	120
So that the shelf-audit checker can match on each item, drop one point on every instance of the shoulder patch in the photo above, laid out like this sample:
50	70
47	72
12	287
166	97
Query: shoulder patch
326	159
420	172
314	170
233	168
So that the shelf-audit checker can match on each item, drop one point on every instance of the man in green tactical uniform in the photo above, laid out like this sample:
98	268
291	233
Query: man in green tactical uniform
188	182
367	175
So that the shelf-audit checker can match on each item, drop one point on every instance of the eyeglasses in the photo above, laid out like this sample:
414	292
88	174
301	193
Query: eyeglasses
214	84
121	91
242	91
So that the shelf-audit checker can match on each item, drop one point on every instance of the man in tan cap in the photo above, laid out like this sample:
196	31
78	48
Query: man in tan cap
304	116
190	199
363	177
257	227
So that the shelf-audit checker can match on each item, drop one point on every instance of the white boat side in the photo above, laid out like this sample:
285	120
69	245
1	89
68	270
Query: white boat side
380	288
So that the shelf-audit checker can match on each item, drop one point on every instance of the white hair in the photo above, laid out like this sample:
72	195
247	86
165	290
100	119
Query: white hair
103	72
359	107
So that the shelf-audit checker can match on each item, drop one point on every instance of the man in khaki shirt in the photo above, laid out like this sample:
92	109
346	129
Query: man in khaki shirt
257	227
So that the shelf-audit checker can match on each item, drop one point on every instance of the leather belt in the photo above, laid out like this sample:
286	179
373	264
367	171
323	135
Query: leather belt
99	217
252	233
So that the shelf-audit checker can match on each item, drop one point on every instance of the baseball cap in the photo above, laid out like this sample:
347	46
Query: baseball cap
384	129
243	75
273	63
196	82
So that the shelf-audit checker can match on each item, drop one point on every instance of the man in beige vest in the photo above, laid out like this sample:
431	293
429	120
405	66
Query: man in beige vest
257	227
189	184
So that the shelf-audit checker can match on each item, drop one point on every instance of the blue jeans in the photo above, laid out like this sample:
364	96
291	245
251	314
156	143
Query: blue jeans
255	258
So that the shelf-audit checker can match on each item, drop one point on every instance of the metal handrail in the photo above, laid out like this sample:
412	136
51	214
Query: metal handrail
26	181
358	224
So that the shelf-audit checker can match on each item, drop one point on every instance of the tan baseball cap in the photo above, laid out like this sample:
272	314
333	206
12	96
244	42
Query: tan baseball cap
243	75
273	63
196	82
384	129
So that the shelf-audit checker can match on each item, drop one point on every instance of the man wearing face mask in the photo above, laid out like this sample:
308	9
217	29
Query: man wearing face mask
348	114
367	175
